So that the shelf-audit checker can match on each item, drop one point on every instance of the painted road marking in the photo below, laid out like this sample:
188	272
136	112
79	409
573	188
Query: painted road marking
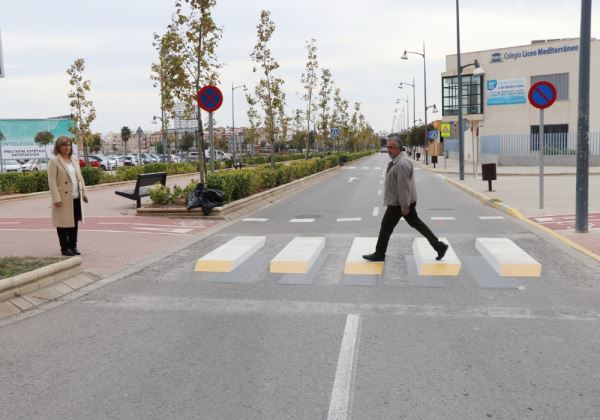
491	217
375	211
298	256
348	219
426	263
339	405
443	218
378	192
381	181
364	168
165	230
352	178
302	220
378	167
231	254
255	219
507	258
356	264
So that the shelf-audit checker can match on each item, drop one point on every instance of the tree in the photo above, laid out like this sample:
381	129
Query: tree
96	142
187	141
309	80
43	139
82	108
125	135
193	43
164	74
324	98
269	88
340	117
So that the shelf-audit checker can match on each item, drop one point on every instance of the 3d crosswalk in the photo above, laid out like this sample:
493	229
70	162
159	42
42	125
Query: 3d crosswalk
300	254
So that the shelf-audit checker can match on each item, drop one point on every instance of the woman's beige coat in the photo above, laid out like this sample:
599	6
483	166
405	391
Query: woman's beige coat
61	190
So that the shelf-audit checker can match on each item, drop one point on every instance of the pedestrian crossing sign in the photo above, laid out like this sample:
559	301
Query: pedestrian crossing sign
445	130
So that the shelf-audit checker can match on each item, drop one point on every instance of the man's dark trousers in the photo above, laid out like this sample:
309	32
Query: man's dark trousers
390	220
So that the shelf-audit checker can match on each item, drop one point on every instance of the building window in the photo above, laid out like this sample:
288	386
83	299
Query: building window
472	95
559	80
555	138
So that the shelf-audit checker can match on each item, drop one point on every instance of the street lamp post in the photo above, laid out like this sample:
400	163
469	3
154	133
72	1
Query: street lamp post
407	109
405	57
162	134
414	103
235	145
139	133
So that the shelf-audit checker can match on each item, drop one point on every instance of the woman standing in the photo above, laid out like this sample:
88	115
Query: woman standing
67	189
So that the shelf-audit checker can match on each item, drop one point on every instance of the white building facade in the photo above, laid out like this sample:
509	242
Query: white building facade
501	125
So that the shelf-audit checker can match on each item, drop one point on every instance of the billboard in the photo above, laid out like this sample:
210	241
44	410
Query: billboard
18	140
506	92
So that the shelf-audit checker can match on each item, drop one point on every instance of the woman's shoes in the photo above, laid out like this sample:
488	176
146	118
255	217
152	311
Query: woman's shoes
67	253
75	251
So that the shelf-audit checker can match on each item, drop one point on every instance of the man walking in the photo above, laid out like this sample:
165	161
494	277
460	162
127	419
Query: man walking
400	197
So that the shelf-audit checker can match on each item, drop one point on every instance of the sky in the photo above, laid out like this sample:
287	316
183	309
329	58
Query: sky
361	42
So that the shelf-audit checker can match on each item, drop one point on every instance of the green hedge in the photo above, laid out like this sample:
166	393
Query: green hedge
236	184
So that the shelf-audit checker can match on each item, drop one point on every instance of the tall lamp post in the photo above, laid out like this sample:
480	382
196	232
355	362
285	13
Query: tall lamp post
401	86
139	133
162	135
461	134
235	145
407	110
405	57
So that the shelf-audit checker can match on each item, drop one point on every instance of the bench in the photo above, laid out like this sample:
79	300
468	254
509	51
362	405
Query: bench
142	186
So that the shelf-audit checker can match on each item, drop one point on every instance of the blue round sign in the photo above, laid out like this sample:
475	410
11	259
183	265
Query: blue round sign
210	98
542	94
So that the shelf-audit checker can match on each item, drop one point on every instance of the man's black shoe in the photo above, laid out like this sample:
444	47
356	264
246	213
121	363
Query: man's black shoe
374	257
67	253
75	251
441	251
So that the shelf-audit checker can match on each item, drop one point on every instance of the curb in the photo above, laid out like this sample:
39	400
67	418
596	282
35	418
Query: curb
518	215
34	288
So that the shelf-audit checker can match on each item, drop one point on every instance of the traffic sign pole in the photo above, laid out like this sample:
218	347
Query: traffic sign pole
542	95
542	148
211	136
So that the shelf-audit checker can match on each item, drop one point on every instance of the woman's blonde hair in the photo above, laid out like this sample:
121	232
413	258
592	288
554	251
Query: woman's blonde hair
59	142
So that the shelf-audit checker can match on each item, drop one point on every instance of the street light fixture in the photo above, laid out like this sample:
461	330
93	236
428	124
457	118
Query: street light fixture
235	145
405	57
139	133
401	86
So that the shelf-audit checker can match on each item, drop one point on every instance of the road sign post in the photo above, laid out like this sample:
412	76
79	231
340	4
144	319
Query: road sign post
542	95
210	99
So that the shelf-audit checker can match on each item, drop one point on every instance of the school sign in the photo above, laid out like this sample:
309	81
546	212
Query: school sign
19	135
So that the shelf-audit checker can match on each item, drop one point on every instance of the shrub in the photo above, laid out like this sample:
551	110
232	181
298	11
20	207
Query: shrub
159	194
91	176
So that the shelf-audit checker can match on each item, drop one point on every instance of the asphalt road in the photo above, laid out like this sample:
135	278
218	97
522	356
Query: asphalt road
171	343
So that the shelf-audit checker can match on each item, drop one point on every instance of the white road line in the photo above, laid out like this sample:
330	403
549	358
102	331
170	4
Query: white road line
255	219
544	219
378	192
378	167
491	217
342	385
381	181
348	219
302	220
364	168
375	211
443	218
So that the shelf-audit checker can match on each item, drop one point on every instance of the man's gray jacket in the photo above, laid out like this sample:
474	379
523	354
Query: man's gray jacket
400	189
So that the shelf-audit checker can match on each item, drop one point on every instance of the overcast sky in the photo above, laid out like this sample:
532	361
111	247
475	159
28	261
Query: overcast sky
361	42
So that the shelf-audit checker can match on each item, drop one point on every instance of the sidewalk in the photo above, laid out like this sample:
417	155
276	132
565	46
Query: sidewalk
518	187
111	238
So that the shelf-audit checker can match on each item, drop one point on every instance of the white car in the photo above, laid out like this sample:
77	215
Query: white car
11	165
106	164
35	165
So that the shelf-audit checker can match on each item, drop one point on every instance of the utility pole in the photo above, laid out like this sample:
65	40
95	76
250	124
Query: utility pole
583	120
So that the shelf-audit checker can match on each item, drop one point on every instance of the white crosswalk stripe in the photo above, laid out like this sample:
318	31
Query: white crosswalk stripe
308	220
298	256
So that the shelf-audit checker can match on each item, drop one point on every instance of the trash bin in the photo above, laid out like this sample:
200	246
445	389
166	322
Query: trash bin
488	173
434	160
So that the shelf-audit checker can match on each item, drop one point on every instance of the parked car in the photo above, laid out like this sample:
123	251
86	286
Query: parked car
11	165
35	165
130	160
93	163
106	163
